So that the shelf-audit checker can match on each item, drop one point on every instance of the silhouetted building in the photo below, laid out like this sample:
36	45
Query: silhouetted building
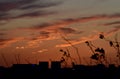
55	65
42	71
43	65
24	67
79	67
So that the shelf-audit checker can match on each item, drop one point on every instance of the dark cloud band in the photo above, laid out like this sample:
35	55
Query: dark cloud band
36	6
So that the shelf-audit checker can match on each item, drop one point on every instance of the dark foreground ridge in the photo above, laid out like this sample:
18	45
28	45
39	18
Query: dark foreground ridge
42	71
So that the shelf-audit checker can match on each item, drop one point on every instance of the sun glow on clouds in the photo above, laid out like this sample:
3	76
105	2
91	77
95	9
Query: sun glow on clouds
52	31
8	42
22	47
37	26
89	38
43	50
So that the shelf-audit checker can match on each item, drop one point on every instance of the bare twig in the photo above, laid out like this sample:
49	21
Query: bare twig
73	47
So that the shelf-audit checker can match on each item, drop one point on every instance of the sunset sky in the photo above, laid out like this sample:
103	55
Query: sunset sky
32	29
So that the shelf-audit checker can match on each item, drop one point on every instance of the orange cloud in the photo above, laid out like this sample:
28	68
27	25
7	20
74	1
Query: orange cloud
78	41
112	23
7	42
66	22
88	38
42	50
51	31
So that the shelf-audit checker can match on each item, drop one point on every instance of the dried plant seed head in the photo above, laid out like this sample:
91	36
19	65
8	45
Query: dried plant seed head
65	53
87	43
102	51
117	45
97	50
101	36
111	43
61	50
95	56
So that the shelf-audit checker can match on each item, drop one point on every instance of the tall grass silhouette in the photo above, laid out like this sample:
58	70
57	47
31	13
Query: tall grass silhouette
65	57
76	48
99	53
114	44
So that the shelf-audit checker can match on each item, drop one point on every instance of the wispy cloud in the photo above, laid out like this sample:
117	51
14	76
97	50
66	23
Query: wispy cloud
55	33
47	35
68	21
26	4
2	34
113	30
89	38
117	27
34	14
26	8
42	50
34	40
51	31
8	42
41	4
79	41
112	23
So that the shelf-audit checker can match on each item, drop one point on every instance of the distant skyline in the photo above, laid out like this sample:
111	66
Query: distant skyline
32	29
